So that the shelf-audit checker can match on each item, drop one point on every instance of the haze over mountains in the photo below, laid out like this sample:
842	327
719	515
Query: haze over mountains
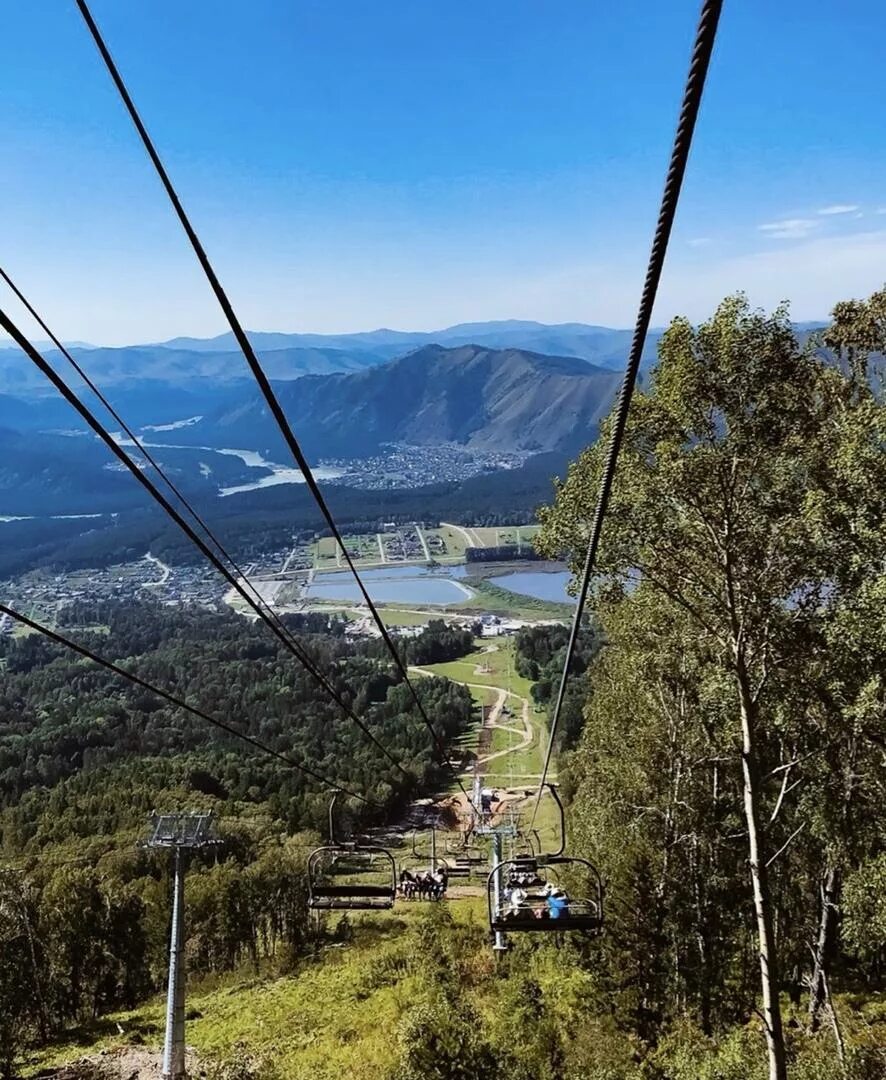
602	345
494	388
183	361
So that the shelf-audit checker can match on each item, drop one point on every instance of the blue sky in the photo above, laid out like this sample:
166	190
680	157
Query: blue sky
351	164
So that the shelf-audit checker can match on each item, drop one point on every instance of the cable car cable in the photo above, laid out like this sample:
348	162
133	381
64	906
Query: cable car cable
259	374
86	414
705	37
109	665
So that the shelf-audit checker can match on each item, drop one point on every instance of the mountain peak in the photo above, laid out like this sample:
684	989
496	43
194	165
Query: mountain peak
508	400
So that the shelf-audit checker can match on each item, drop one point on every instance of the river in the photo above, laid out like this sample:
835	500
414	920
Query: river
280	474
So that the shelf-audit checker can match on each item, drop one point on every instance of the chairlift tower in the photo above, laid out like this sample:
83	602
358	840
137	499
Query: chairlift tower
506	826
180	834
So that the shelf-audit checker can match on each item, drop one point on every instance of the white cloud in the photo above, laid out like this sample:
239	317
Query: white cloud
813	276
699	241
881	210
789	229
838	208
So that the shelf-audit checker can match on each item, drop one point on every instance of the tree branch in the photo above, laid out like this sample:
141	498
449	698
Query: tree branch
785	845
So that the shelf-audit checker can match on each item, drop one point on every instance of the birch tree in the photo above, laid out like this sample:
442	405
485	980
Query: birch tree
718	507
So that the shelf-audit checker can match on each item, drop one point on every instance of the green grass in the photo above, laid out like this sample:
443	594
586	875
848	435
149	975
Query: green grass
395	617
325	552
341	1014
454	541
526	762
502	671
338	1016
486	537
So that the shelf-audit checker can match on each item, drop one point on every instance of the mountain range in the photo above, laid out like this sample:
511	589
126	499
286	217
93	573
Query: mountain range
500	401
602	345
182	362
483	399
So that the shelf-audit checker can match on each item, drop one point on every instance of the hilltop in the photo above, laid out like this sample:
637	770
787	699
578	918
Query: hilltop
502	400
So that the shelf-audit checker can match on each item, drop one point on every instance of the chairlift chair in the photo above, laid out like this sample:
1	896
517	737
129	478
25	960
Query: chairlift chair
584	913
420	861
350	876
532	874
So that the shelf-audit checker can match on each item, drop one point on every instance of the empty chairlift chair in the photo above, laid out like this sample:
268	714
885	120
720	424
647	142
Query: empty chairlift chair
350	876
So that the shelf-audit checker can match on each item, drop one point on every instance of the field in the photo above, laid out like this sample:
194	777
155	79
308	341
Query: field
506	534
500	662
446	544
364	550
453	540
326	553
396	617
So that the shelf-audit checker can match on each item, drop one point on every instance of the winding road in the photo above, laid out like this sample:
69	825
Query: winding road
525	731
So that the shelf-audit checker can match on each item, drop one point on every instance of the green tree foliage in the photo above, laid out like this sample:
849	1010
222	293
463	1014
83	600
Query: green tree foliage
85	757
738	709
541	654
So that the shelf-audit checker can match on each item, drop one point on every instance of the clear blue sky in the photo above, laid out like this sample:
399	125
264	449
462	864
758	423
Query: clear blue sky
414	164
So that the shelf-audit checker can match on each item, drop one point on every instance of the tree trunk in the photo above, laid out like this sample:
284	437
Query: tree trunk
760	882
827	935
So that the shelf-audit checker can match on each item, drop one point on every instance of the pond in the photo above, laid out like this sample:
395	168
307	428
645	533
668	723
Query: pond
423	585
395	585
551	586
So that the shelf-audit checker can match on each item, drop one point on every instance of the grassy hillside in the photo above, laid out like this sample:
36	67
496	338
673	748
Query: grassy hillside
420	993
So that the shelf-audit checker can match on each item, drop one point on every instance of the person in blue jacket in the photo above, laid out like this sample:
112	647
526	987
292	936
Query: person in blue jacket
558	903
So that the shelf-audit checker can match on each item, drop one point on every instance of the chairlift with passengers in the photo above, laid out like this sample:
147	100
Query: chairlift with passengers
528	894
349	876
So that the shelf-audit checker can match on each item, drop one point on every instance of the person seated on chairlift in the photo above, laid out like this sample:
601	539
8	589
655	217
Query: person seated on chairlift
557	901
441	882
516	901
486	797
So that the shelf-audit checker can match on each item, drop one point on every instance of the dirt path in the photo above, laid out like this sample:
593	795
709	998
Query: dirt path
492	719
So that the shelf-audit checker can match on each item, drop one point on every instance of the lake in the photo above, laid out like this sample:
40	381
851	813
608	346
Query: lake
426	585
395	585
551	587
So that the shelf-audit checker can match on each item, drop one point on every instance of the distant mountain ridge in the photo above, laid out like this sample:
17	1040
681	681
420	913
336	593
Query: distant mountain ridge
506	400
601	345
181	364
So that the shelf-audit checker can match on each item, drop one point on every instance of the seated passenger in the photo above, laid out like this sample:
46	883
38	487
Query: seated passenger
516	900
558	904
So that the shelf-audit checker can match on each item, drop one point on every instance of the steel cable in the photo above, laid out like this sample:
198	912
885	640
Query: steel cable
695	83
86	414
260	376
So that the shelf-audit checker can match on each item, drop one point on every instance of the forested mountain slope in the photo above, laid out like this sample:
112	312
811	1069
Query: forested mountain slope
501	400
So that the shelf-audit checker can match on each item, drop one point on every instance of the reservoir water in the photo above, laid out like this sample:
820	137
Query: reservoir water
551	586
433	585
395	585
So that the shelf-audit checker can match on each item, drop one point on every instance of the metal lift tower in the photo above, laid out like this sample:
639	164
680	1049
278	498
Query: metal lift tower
180	834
